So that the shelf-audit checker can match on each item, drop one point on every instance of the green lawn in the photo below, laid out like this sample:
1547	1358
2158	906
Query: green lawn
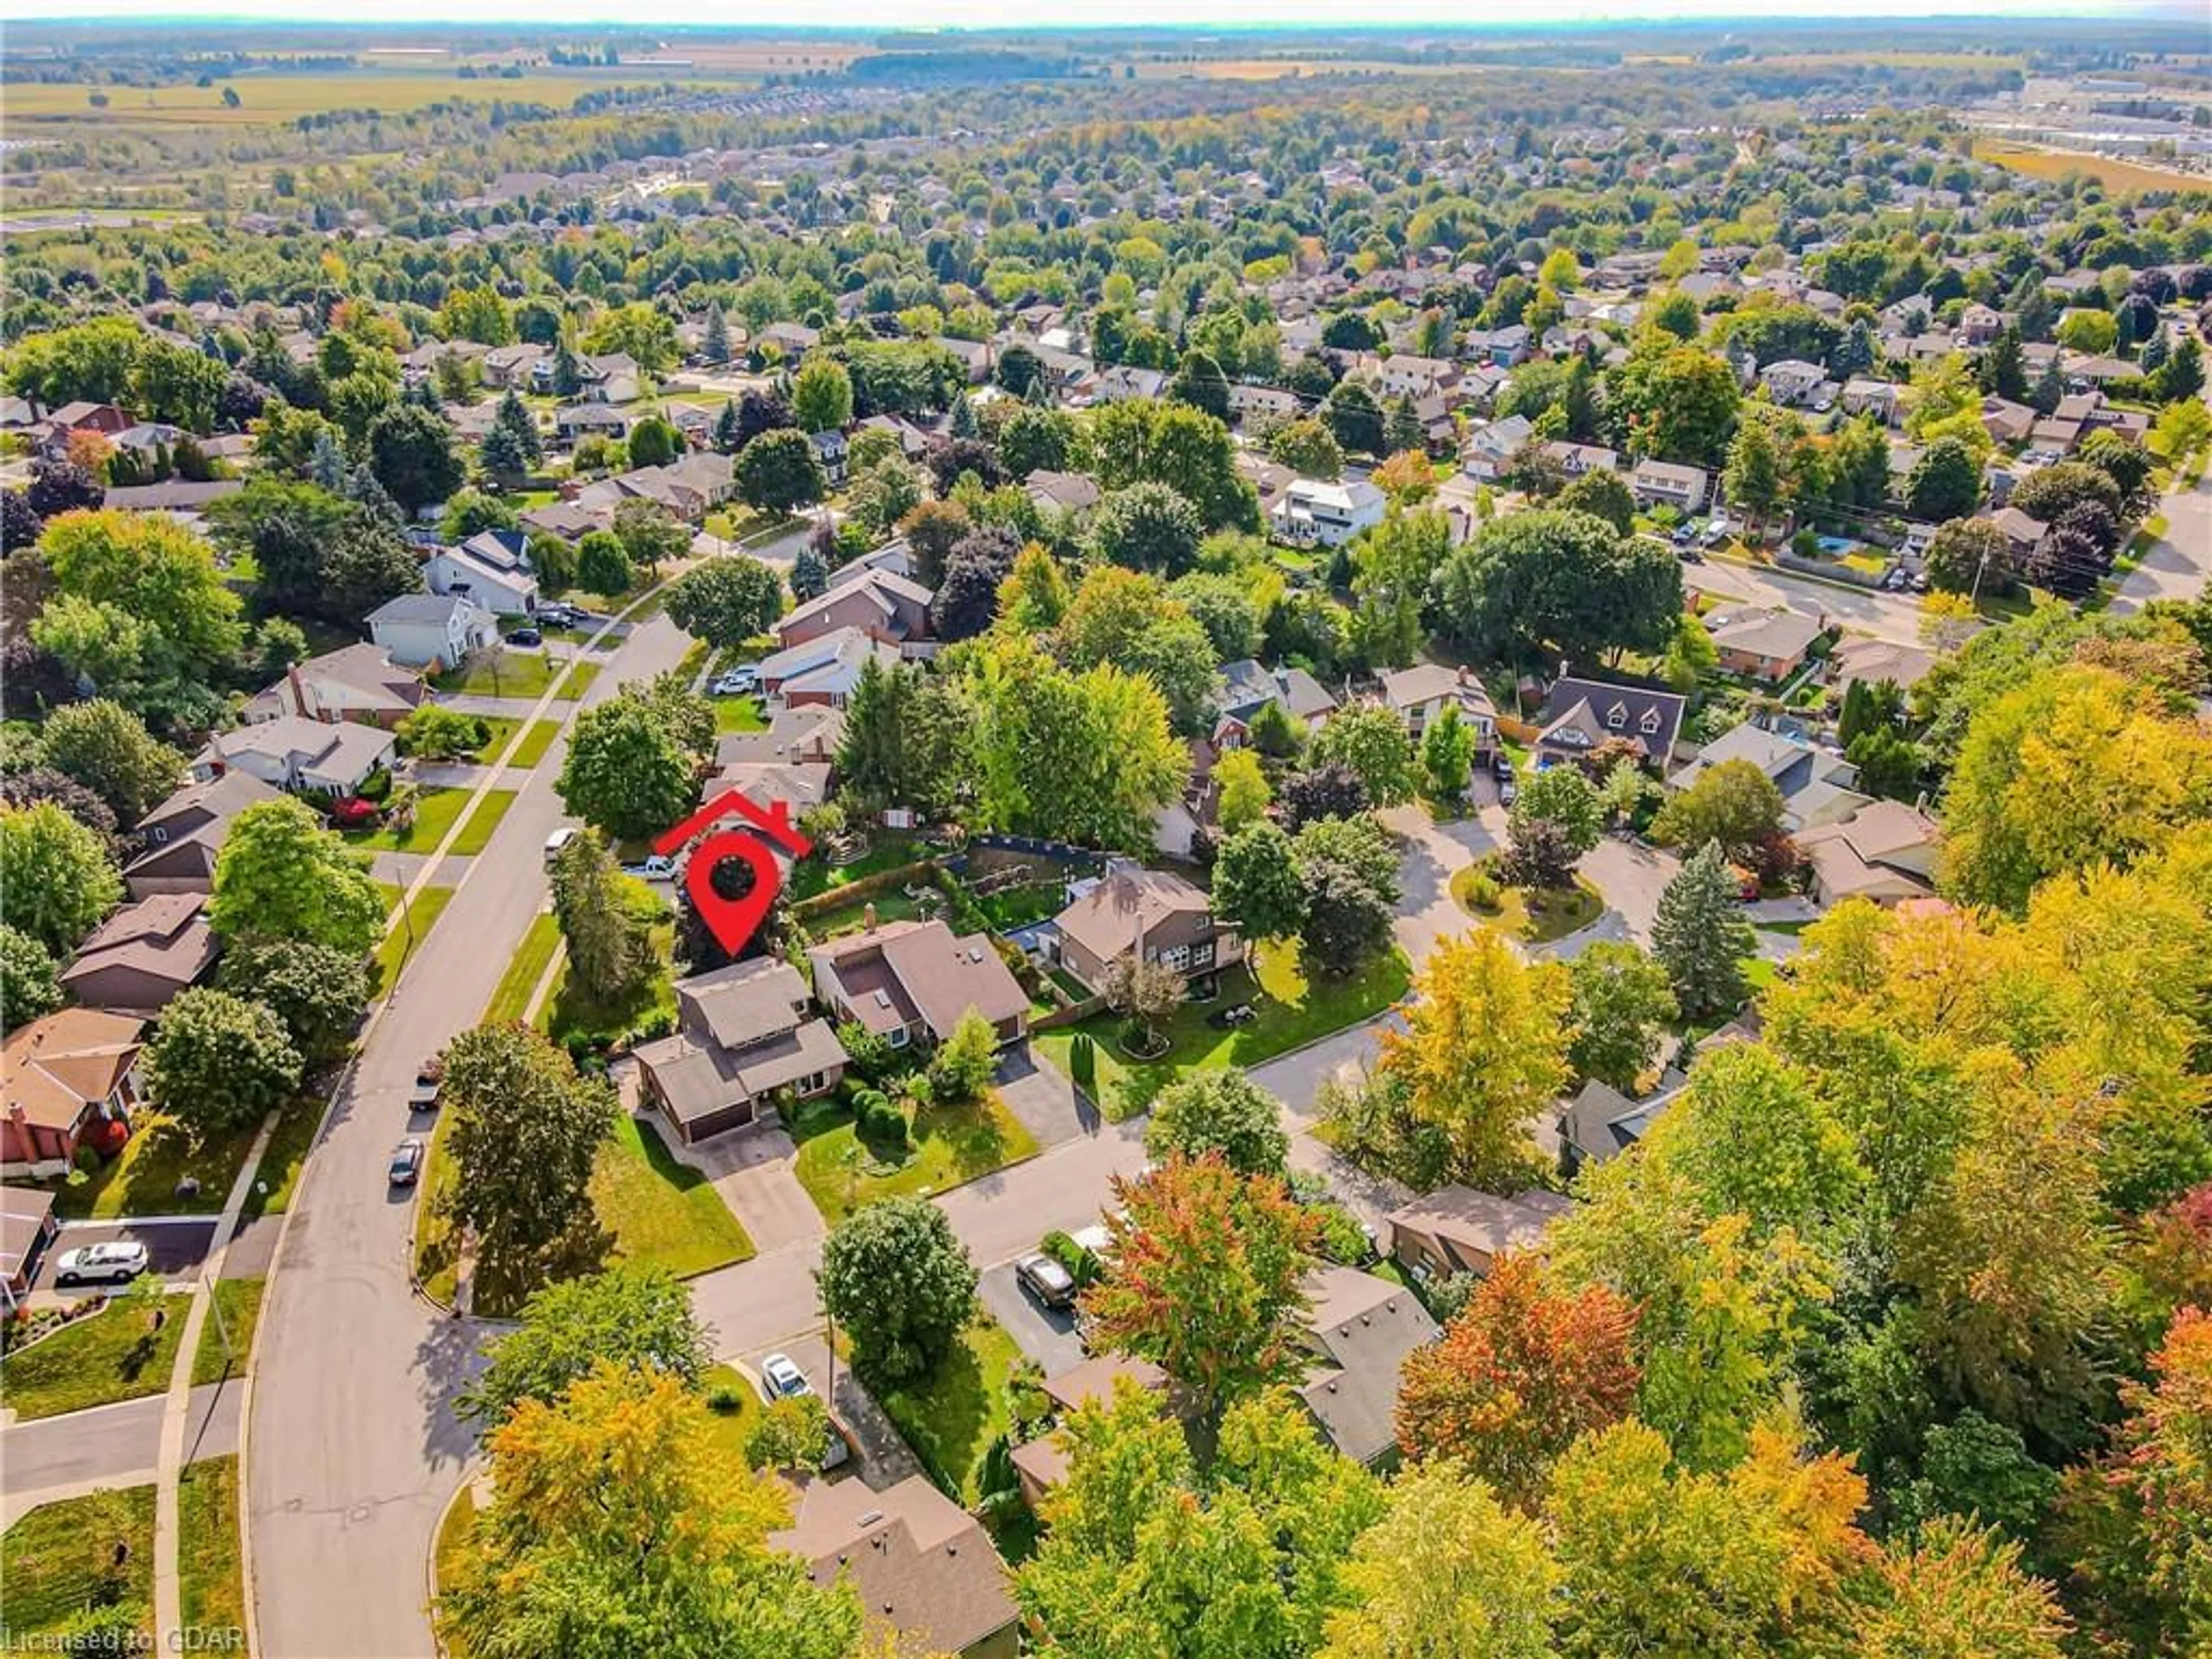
422	915
96	1361
457	1534
951	1417
238	1301
571	1013
1292	1012
483	822
949	1146
890	904
732	1427
59	1560
658	1211
1530	917
435	812
211	1573
511	1001
535	742
739	714
663	1213
284	1158
519	674
885	852
144	1180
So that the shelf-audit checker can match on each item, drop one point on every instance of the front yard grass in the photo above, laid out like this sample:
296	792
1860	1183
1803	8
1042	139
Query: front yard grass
60	1561
535	742
951	1417
422	915
483	822
727	1384
283	1159
1532	918
238	1301
97	1361
519	674
511	1001
948	1145
1292	1012
145	1178
435	812
211	1578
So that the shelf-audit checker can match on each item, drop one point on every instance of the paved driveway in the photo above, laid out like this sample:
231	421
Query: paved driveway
1433	853
1631	876
175	1249
115	1445
883	1458
751	1168
1044	1334
1037	1092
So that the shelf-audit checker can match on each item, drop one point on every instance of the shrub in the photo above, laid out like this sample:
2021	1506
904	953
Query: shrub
1081	1265
1083	1062
723	1401
1483	892
86	1159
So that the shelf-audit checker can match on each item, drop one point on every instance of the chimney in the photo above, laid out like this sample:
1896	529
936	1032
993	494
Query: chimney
868	915
299	691
1462	674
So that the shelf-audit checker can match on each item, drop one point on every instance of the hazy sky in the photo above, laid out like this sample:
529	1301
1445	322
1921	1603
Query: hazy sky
988	14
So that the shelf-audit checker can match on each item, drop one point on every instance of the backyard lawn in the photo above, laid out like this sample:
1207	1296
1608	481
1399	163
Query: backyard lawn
60	1560
422	915
739	714
1292	1012
211	1576
483	822
511	1001
951	1417
238	1301
886	852
948	1146
97	1361
143	1181
1530	918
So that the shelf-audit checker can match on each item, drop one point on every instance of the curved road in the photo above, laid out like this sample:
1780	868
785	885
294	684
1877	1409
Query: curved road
352	1448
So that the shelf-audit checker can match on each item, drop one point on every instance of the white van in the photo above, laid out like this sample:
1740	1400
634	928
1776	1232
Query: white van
559	839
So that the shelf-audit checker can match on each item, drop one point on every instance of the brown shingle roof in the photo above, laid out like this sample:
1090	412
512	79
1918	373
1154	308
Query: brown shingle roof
54	1068
918	1562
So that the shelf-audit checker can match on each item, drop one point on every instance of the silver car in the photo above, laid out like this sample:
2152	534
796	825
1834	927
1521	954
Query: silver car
118	1263
783	1379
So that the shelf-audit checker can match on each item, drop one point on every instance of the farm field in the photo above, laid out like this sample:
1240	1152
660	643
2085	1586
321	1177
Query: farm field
2109	171
277	98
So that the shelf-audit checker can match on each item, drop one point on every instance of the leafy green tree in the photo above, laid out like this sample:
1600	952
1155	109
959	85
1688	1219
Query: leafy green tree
821	396
899	1283
1243	792
282	875
1224	610
638	1319
57	874
149	571
107	748
726	601
1309	448
1145	440
320	993
1144	990
1945	482
1371	740
1679	402
792	1434
778	472
1700	937
1971	556
1448	1571
1355	419
1205	1279
1622	1003
524	1129
470	512
1735	803
410	451
1563	796
1223	1112
218	1062
626	773
654	441
1147	526
622	1521
1548	585
1755	478
1603	494
602	565
1256	883
1035	440
908	741
28	986
608	933
1447	754
965	1063
1144	1553
650	535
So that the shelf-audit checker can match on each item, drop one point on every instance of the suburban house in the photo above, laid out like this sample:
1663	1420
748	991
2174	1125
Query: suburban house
1360	1327
885	606
1064	492
1818	786
2022	534
61	1078
571	521
822	670
910	981
1330	514
143	955
745	1035
1268	401
830	449
1457	1229
292	753
27	1227
181	498
1865	396
1600	1122
921	1565
1583	715
1576	459
432	631
182	835
1861	660
1126	380
1792	382
1042	1464
1155	911
358	683
1490	448
510	367
805	736
1667	483
1885	852
610	377
1418	694
1766	643
1248	686
490	569
574	420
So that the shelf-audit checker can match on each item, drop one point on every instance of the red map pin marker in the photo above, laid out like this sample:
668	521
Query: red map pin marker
733	921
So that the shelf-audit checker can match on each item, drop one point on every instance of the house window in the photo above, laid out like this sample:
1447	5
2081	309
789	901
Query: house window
1177	958
1649	723
1616	717
897	1038
1201	956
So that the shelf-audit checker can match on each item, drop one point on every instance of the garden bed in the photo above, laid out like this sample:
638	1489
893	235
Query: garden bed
1529	917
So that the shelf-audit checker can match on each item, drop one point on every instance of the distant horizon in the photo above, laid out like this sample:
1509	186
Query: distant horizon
874	16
